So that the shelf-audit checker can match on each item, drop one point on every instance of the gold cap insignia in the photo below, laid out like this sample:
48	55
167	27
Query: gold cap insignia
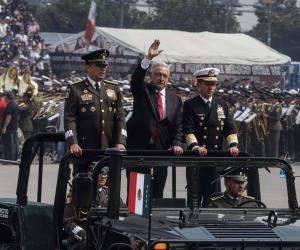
211	73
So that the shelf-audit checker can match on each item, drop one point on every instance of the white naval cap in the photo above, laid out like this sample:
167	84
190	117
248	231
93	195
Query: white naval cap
207	74
293	92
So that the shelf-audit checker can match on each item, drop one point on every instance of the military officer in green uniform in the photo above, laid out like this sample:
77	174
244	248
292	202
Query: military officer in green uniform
206	122
233	196
94	115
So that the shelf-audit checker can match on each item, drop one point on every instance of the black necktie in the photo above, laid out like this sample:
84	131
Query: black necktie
97	86
208	104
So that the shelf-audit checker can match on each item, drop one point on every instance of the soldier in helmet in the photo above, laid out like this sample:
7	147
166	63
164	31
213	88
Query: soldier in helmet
234	180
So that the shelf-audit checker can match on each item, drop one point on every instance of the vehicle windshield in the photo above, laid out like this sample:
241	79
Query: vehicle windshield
274	184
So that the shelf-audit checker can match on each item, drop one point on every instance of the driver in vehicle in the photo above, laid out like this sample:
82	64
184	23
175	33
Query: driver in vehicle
234	181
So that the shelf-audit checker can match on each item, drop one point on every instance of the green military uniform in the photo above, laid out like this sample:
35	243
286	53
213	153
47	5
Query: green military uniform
224	200
94	119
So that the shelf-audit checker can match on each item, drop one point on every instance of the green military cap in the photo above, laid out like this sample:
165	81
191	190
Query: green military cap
238	174
104	170
98	56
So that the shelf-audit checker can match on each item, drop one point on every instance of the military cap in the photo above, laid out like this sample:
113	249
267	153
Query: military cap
246	78
207	74
98	56
238	174
104	170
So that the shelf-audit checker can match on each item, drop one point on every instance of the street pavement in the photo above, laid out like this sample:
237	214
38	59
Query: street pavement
273	187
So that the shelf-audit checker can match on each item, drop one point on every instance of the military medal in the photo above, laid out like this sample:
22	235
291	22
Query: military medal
86	97
220	112
83	110
93	109
111	94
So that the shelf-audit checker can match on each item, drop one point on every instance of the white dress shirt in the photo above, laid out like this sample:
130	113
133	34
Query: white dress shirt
94	82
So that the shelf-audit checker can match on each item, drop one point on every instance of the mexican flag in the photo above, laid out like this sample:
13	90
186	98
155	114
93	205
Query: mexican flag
90	25
139	194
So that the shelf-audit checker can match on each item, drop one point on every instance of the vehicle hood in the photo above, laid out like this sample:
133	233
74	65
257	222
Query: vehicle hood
215	227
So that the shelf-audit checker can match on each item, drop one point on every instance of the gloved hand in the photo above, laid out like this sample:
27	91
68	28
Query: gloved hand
75	232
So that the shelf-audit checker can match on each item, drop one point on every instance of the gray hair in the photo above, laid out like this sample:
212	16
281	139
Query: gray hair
154	65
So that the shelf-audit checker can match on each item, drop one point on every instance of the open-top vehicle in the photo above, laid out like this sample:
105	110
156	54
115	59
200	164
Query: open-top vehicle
170	225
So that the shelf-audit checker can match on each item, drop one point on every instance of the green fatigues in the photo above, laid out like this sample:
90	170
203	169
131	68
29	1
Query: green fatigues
225	201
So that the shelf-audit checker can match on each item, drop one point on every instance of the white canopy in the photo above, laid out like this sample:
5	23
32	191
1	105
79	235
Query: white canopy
190	47
202	47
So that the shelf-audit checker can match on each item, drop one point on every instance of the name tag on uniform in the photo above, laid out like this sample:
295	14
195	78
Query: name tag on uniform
86	97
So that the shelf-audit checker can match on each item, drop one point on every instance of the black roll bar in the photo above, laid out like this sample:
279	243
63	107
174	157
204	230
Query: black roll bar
28	153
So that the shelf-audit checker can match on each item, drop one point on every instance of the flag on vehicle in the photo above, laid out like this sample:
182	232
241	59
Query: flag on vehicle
139	194
90	25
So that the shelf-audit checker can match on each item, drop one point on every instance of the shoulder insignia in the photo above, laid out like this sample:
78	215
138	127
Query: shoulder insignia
217	197
111	94
110	82
76	82
248	197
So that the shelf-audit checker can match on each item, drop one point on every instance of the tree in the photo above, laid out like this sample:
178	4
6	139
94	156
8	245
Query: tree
63	16
192	15
285	26
70	16
189	15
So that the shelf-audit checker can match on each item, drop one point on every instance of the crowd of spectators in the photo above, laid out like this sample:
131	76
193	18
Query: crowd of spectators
20	43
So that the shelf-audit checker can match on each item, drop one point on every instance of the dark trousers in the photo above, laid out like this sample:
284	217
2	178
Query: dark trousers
273	146
160	174
10	144
27	134
201	183
159	182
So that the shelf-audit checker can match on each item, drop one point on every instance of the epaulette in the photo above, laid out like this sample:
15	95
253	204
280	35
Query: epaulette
76	82
217	197
248	197
110	82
